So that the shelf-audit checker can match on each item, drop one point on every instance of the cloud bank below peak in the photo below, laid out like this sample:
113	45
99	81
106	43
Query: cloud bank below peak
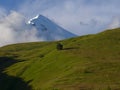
13	29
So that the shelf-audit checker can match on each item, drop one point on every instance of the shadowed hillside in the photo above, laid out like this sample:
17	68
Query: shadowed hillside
90	62
8	82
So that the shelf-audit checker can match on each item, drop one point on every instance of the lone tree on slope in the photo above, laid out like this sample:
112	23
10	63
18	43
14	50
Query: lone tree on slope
59	46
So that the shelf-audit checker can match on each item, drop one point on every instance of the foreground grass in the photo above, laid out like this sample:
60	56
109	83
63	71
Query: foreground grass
89	62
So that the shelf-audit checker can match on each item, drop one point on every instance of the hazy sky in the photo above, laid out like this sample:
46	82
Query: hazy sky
78	16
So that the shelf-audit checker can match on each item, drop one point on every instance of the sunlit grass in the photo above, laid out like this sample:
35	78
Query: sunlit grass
89	62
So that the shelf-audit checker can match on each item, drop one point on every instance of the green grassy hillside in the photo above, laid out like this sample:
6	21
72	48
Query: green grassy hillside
89	62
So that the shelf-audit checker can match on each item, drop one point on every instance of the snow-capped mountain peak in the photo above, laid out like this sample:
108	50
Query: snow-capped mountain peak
48	30
36	17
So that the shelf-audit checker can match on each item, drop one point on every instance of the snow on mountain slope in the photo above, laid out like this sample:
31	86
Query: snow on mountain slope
48	30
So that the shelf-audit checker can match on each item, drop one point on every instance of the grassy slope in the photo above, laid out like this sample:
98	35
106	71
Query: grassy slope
89	62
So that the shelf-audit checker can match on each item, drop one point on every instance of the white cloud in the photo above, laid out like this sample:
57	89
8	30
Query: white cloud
115	23
14	30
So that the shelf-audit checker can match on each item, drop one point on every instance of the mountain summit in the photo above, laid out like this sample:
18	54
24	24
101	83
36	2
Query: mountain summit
48	30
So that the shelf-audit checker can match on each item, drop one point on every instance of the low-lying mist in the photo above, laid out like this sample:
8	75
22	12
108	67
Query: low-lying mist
14	29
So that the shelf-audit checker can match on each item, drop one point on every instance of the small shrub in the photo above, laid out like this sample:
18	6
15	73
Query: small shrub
59	46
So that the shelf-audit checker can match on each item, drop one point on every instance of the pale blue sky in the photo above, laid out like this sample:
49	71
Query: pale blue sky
78	16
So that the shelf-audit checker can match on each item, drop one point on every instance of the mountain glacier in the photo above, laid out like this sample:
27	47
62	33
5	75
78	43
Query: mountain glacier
48	30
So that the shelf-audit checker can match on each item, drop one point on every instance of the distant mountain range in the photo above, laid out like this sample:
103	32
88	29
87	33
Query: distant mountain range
49	30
